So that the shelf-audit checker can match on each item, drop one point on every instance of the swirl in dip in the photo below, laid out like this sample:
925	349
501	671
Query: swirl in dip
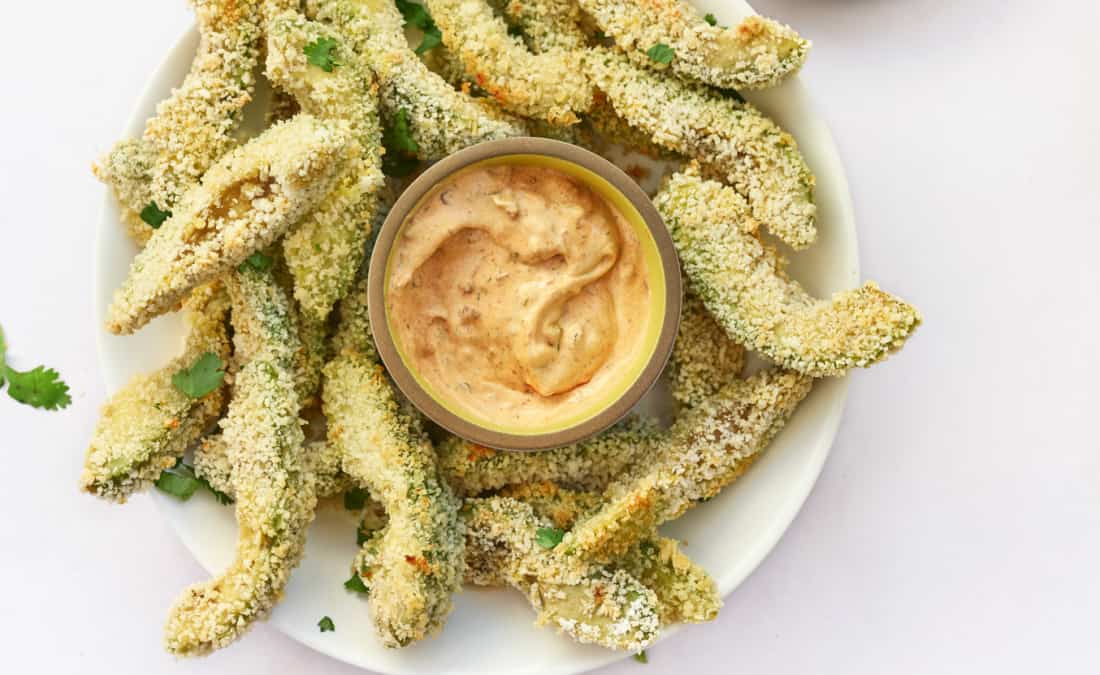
519	295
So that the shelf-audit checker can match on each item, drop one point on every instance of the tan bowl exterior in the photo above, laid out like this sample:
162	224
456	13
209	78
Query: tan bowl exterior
399	371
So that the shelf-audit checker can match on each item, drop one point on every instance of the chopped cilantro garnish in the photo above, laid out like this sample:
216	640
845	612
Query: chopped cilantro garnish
548	537
319	53
355	583
515	31
710	18
177	484
362	535
326	625
203	377
401	148
181	481
355	499
641	657
257	261
39	387
417	15
661	53
153	216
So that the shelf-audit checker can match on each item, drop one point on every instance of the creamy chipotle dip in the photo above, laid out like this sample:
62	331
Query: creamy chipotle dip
518	294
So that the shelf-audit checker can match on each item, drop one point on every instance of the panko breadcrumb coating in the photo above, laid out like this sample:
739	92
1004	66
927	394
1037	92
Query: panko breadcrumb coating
738	281
704	358
148	424
591	464
550	85
545	24
755	54
324	251
707	448
246	200
441	120
274	491
685	592
420	554
197	124
128	170
589	602
321	459
731	139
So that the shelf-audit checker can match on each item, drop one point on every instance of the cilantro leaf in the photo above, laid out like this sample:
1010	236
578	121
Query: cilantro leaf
319	53
355	583
417	15
181	481
3	356
641	657
38	388
257	261
203	377
153	216
711	19
326	625
661	53
177	484
355	499
401	148
548	537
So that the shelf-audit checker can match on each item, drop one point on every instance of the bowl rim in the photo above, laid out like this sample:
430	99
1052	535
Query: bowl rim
399	370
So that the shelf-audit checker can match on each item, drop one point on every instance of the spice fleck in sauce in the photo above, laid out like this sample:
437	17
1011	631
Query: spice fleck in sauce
518	293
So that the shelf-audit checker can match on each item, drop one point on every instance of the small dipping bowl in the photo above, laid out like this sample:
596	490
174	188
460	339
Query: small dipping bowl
638	374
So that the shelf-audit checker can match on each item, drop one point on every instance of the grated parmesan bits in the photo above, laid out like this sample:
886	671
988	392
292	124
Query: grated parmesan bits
731	139
685	592
472	469
705	450
755	54
550	85
326	248
420	553
441	120
704	357
742	285
274	491
246	200
148	424
591	603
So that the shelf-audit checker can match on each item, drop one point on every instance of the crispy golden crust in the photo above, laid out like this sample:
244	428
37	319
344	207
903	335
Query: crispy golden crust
196	124
738	281
704	358
545	24
755	54
148	424
384	447
441	119
472	469
325	250
550	85
591	603
245	201
706	449
321	459
731	139
128	170
685	592
275	493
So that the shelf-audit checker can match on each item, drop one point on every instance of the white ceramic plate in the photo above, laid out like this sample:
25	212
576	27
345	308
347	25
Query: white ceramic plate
491	631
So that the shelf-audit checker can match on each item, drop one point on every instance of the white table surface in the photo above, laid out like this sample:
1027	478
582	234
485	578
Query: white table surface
956	527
